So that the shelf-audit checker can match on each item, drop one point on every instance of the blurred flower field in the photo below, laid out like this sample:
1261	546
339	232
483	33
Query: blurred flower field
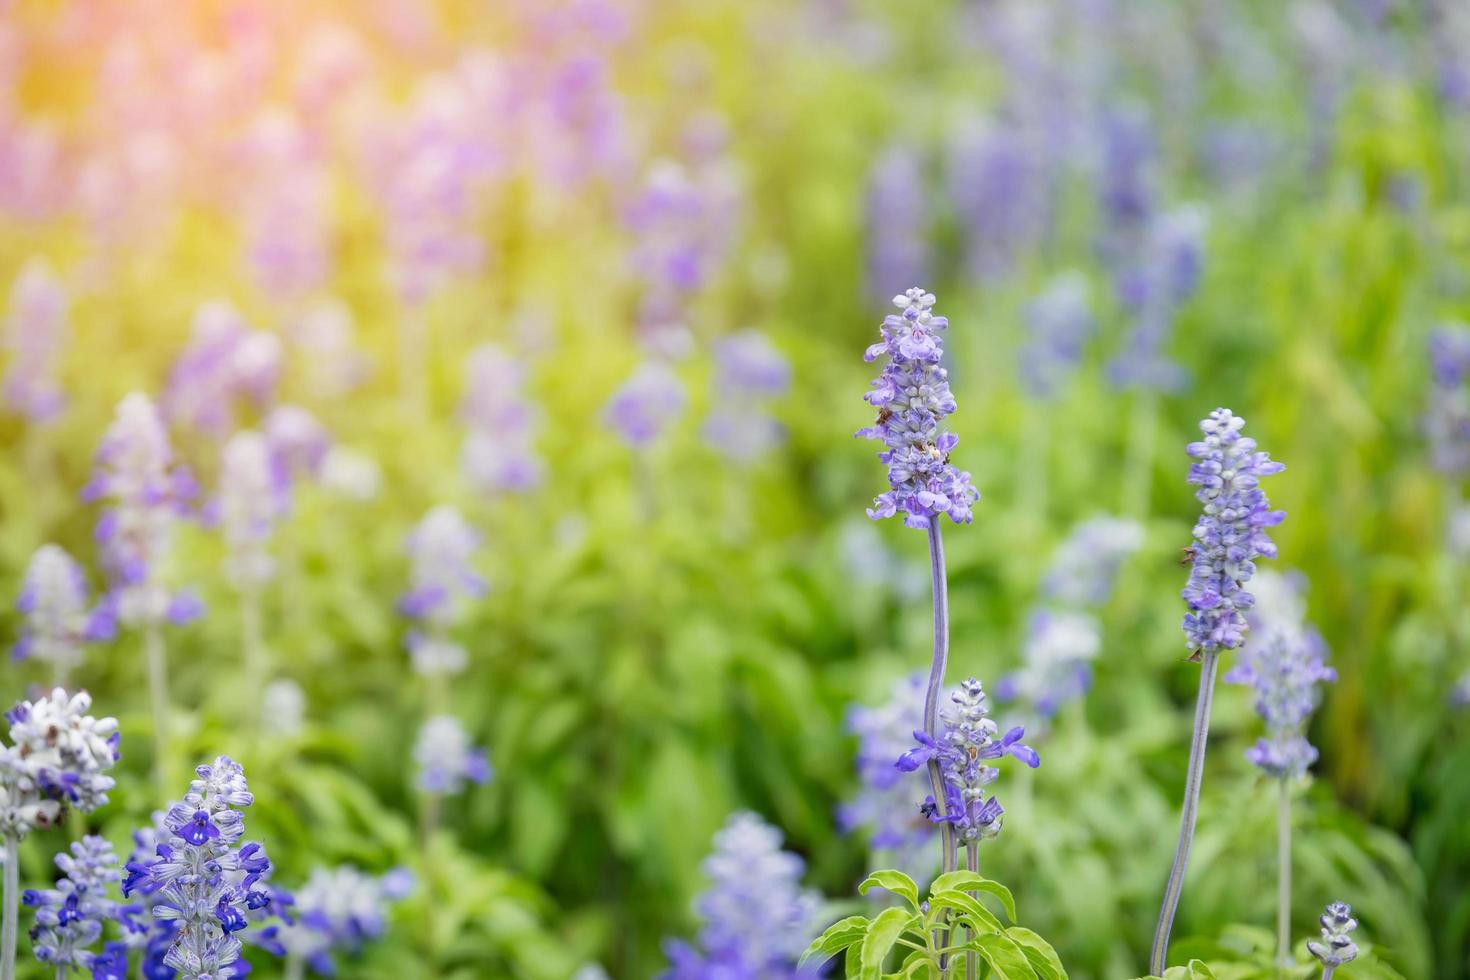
439	417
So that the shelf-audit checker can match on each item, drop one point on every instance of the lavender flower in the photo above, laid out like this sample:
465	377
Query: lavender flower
250	504
299	445
968	741
203	876
897	219
53	600
442	582
646	404
1283	662
998	181
749	371
136	473
1059	322
1337	946
446	758
1127	177
58	756
884	802
756	917
338	908
498	454
1447	422
226	362
1230	534
35	335
70	917
913	398
1085	566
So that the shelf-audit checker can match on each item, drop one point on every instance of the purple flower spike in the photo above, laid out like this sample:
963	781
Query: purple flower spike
1230	535
912	397
35	337
645	405
968	741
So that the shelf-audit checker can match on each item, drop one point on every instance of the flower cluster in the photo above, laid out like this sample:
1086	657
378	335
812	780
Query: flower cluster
647	403
756	916
340	908
203	879
250	503
443	580
58	756
912	397
497	454
749	372
1337	946
135	472
70	917
1169	275
35	336
446	758
1059	322
53	600
883	803
1447	421
1230	534
225	363
966	744
1283	662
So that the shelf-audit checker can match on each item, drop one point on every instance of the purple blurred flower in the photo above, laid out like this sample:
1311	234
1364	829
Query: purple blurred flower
1059	322
225	362
756	917
1283	662
1084	568
647	403
999	185
146	493
498	452
1173	259
250	503
1231	533
446	759
749	371
442	583
35	337
913	398
897	221
57	620
298	445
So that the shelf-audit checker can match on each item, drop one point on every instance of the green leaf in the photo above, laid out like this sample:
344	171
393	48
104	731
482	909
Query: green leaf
896	882
1007	960
969	908
883	932
1044	959
1195	970
970	881
836	937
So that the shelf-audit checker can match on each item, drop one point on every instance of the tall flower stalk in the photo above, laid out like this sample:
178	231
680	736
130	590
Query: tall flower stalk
1229	536
1283	663
250	503
146	492
912	397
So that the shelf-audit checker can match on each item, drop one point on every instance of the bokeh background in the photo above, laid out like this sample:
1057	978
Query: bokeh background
1132	213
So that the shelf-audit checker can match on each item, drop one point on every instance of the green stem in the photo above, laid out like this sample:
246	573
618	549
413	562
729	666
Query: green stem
158	700
12	907
1283	878
295	967
255	661
1158	957
972	863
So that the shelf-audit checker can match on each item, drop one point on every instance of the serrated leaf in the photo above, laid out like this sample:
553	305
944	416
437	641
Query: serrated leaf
1007	960
969	907
970	881
882	933
1044	959
836	937
895	881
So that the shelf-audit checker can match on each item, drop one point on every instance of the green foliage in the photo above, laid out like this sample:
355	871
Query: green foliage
952	924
